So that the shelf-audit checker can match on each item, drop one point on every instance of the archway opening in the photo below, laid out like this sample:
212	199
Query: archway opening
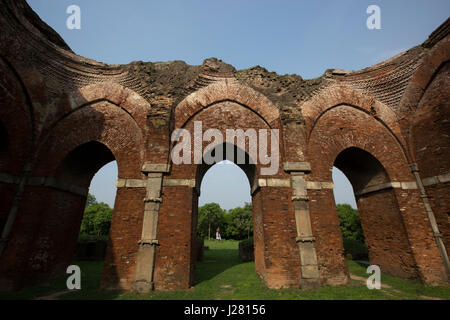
82	220
225	216
95	226
381	223
355	247
361	168
81	164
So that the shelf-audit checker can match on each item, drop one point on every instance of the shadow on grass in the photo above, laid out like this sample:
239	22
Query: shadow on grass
215	262
219	258
91	272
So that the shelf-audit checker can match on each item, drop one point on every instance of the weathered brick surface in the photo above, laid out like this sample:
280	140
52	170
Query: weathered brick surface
423	245
281	262
440	202
174	253
430	134
382	220
125	233
34	248
329	245
258	236
178	213
62	117
385	234
431	127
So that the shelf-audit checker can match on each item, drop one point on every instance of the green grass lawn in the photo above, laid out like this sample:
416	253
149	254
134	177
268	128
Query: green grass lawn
222	276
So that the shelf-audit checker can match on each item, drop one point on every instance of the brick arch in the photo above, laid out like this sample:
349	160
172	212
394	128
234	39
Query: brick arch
226	90
250	171
76	148
362	131
361	168
423	76
249	168
418	86
239	117
379	211
102	122
375	164
270	199
65	194
430	147
429	130
125	98
340	95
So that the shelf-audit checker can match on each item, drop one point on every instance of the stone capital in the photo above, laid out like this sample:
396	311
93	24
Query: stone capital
149	167
297	166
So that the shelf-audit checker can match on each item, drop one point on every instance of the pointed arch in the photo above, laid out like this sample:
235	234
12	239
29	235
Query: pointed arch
129	100
340	95
226	90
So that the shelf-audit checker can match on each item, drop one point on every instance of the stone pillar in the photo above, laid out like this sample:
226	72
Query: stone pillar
145	262
309	275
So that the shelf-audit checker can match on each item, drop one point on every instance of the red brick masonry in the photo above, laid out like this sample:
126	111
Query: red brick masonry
62	117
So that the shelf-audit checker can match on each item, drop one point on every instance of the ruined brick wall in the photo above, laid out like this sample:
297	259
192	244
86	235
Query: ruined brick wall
430	133
332	136
63	116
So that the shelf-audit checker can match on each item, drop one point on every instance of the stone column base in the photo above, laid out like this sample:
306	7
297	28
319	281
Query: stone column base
309	284
142	286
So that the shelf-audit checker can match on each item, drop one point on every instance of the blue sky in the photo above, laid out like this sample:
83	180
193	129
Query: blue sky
301	37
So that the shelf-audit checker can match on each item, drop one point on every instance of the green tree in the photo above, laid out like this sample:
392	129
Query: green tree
239	223
210	216
90	200
96	218
350	223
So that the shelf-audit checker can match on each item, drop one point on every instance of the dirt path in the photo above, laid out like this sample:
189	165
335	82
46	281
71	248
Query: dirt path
386	286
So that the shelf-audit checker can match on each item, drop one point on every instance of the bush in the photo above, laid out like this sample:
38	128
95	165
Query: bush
246	250
96	220
350	223
356	249
91	250
83	237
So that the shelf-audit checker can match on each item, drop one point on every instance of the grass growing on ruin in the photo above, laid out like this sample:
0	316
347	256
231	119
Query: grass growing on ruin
222	276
